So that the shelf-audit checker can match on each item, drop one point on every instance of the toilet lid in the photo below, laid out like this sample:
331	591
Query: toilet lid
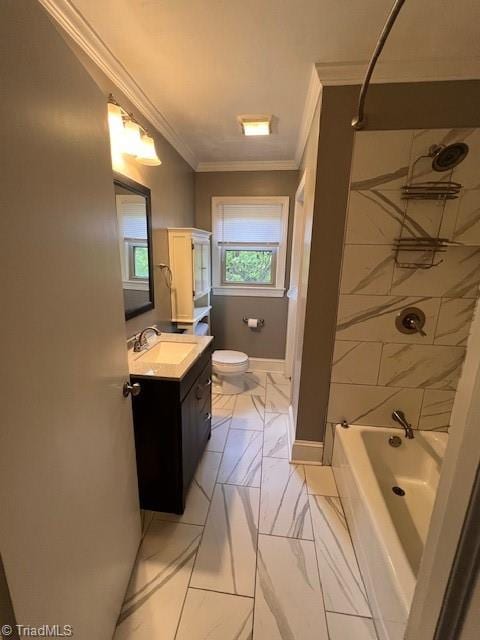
229	357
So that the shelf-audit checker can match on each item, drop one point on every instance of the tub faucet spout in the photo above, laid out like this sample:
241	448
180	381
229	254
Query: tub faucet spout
399	417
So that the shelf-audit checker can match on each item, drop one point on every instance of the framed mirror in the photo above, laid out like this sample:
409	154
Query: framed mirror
134	217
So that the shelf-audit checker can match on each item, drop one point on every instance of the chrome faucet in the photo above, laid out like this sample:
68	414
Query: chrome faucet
141	339
399	417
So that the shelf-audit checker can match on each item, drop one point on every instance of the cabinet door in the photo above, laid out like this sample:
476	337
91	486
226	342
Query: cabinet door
196	424
197	267
206	278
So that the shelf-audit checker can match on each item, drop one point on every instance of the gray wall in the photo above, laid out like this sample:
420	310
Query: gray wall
172	187
227	326
389	106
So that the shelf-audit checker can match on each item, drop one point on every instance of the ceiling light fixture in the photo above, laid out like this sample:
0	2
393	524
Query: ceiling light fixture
128	137
256	125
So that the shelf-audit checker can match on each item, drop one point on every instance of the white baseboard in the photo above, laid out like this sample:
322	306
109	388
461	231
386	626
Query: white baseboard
267	364
302	451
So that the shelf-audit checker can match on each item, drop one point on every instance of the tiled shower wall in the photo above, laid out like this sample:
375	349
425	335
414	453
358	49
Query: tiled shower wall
377	369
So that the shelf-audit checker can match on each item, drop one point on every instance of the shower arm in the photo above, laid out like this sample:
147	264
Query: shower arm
359	120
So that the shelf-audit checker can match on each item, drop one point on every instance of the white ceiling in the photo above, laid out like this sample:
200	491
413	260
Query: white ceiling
203	62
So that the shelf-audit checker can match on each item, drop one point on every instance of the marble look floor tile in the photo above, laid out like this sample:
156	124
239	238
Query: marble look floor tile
356	362
208	615
372	318
274	377
372	405
275	438
367	269
341	627
242	458
222	405
227	555
320	481
284	507
454	321
343	589
255	382
421	366
159	582
220	426
200	492
436	410
249	412
381	159
288	596
278	398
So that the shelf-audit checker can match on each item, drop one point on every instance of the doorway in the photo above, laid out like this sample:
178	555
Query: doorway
295	270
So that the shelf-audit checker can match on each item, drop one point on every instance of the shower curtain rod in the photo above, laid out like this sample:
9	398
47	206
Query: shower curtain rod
359	120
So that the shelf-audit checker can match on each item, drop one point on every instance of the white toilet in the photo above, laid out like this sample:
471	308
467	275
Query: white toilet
230	367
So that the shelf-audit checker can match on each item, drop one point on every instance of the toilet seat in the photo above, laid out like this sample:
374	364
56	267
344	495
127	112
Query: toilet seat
226	361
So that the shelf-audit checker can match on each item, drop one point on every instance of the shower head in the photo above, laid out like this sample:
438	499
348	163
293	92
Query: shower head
446	157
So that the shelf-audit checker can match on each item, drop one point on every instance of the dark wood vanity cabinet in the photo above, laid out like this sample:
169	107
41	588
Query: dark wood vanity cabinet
172	422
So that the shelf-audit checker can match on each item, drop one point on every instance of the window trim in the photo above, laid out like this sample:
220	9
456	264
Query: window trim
277	288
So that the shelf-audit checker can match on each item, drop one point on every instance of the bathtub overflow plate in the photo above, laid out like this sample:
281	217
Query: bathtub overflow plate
398	491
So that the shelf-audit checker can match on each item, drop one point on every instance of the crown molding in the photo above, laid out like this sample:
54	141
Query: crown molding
313	95
248	165
72	21
395	71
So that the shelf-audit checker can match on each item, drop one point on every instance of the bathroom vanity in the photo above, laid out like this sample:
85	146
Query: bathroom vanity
172	416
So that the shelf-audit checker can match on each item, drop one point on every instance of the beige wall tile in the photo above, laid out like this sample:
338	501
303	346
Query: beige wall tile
454	321
421	366
457	276
367	269
371	405
356	362
372	318
374	217
436	410
380	159
467	227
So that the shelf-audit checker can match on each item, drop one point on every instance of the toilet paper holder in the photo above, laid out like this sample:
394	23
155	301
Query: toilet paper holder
261	321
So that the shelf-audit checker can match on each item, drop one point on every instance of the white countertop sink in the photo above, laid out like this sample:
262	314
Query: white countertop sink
169	355
168	352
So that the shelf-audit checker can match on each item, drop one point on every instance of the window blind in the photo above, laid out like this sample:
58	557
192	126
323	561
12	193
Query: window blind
132	217
248	222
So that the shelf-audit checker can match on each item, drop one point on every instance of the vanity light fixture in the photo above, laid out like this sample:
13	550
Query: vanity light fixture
132	138
148	154
256	125
128	137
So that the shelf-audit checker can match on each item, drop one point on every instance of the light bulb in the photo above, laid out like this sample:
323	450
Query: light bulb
115	127
148	154
132	143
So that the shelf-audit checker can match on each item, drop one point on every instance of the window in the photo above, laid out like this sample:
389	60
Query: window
137	259
249	245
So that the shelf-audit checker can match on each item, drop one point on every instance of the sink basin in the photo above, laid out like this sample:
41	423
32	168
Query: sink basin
168	352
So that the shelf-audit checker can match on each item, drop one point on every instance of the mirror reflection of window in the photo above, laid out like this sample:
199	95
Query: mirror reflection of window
132	217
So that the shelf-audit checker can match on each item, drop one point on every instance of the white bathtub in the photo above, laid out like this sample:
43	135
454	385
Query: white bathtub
388	530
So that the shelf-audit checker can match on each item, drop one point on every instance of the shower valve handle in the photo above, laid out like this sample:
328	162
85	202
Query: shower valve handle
412	322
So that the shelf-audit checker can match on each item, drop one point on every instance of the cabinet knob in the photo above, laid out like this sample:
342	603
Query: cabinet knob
131	389
208	416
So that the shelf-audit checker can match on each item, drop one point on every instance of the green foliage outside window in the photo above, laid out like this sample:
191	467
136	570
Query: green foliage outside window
140	262
248	266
